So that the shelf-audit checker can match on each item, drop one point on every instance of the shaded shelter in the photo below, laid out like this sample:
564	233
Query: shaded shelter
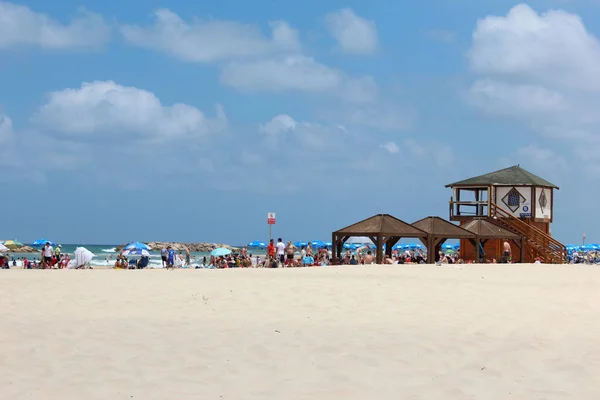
382	229
485	230
439	231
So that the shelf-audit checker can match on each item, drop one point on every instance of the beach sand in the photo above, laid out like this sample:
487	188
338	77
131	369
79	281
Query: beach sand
396	332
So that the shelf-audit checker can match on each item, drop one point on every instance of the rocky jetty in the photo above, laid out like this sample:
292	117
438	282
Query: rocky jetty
193	247
24	249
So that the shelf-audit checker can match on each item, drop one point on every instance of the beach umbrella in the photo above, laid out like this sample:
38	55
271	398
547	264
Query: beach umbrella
257	243
300	244
220	251
447	247
316	243
398	246
12	244
82	257
328	244
450	251
136	252
42	243
137	245
359	240
3	247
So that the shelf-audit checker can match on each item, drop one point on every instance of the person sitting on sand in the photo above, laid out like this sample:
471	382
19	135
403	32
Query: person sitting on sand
368	258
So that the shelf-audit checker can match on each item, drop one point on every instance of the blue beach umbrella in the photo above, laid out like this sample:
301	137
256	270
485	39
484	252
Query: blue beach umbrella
136	252
137	246
42	243
447	247
300	244
257	243
328	244
316	243
220	251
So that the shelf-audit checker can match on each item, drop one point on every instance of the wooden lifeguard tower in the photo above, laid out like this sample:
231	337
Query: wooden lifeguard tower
515	199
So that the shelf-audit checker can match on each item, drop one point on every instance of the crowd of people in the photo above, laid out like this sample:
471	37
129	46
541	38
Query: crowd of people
50	258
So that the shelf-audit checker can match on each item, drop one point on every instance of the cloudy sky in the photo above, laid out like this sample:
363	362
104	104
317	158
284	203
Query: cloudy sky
189	121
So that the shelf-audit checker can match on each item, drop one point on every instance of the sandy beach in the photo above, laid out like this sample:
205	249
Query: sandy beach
396	332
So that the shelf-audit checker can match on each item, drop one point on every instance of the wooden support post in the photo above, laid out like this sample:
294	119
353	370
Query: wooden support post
379	250
523	249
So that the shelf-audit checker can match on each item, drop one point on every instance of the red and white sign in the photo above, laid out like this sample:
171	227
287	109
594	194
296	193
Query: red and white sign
271	218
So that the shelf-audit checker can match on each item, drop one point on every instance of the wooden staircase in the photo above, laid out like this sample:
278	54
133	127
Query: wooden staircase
539	243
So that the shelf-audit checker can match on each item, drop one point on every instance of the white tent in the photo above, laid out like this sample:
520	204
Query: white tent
82	257
3	247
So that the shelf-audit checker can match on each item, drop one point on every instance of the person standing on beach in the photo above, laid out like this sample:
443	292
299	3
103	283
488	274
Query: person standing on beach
170	258
163	256
291	249
271	249
188	257
507	251
280	251
47	253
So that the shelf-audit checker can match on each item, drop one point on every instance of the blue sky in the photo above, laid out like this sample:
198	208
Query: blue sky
189	121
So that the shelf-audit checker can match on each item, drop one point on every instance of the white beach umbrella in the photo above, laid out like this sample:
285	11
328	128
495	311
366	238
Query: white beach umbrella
3	247
359	240
82	257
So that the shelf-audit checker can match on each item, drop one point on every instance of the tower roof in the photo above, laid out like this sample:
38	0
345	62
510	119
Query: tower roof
508	176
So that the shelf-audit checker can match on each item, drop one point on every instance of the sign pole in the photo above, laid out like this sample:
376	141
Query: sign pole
271	222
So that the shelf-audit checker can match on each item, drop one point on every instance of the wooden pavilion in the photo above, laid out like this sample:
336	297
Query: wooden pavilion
439	231
382	229
485	230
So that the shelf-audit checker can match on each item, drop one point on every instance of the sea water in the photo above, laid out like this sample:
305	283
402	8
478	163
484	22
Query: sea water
105	255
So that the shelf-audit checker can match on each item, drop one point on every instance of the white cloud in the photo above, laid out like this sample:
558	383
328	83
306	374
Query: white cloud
20	26
507	99
211	40
113	109
297	73
540	68
391	147
543	159
6	130
552	48
278	124
283	129
383	115
430	151
354	34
